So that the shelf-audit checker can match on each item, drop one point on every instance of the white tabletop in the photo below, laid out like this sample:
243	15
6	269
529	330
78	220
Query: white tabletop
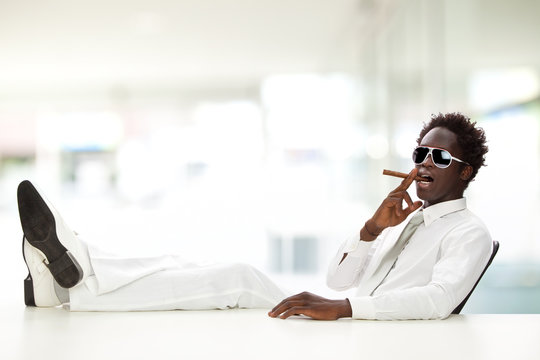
39	333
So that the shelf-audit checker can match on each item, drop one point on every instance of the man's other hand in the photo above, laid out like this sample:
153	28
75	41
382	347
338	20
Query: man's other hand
312	305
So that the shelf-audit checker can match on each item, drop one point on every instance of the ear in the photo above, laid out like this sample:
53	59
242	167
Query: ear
466	173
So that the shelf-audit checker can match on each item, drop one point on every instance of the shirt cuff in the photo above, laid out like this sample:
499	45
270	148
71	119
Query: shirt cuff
362	307
356	247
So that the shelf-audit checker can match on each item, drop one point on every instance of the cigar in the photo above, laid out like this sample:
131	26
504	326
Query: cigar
403	175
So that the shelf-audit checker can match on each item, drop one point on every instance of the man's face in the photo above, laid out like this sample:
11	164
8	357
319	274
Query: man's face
447	183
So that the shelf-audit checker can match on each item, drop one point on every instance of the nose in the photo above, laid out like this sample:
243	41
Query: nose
428	161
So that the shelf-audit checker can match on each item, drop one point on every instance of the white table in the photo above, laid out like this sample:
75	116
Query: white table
39	333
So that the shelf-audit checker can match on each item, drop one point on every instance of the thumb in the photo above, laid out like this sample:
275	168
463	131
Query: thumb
415	205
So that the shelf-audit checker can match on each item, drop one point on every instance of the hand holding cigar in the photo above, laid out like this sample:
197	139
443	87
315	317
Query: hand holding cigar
403	175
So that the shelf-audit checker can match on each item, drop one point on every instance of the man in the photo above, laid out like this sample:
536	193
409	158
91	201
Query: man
433	269
433	273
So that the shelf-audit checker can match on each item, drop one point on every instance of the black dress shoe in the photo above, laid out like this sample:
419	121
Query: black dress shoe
49	238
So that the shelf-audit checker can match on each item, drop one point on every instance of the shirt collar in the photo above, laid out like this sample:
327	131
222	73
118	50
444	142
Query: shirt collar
434	212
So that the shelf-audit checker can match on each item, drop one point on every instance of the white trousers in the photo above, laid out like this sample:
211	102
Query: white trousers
170	283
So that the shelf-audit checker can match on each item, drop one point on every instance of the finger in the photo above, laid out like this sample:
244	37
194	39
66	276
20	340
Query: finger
416	205
314	313
290	298
410	209
279	309
284	307
398	197
278	305
411	206
393	200
408	180
297	310
408	199
398	211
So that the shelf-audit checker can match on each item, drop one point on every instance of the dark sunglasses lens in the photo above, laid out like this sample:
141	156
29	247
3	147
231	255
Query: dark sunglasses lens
441	158
419	154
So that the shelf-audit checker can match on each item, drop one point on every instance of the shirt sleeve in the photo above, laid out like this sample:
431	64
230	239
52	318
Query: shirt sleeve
464	254
346	273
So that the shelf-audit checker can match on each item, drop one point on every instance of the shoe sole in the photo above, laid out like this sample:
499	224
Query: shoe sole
39	228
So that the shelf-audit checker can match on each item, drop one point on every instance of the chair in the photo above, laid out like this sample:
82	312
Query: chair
494	252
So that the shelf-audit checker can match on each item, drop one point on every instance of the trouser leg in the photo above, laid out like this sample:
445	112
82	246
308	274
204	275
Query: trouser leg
193	288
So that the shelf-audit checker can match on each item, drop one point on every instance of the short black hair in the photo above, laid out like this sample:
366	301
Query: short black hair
471	139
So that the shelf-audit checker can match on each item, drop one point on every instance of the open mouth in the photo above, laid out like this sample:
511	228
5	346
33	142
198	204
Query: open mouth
426	179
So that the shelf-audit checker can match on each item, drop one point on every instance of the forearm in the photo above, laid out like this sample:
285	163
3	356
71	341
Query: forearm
365	235
345	269
421	303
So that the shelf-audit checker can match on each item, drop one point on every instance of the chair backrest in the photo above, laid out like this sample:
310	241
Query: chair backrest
493	253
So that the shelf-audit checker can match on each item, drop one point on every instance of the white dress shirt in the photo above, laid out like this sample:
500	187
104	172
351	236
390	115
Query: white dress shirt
432	275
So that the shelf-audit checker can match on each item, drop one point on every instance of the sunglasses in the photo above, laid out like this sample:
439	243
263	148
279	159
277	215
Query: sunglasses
440	157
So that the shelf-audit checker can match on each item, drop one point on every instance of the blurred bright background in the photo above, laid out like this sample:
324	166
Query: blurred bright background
257	131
